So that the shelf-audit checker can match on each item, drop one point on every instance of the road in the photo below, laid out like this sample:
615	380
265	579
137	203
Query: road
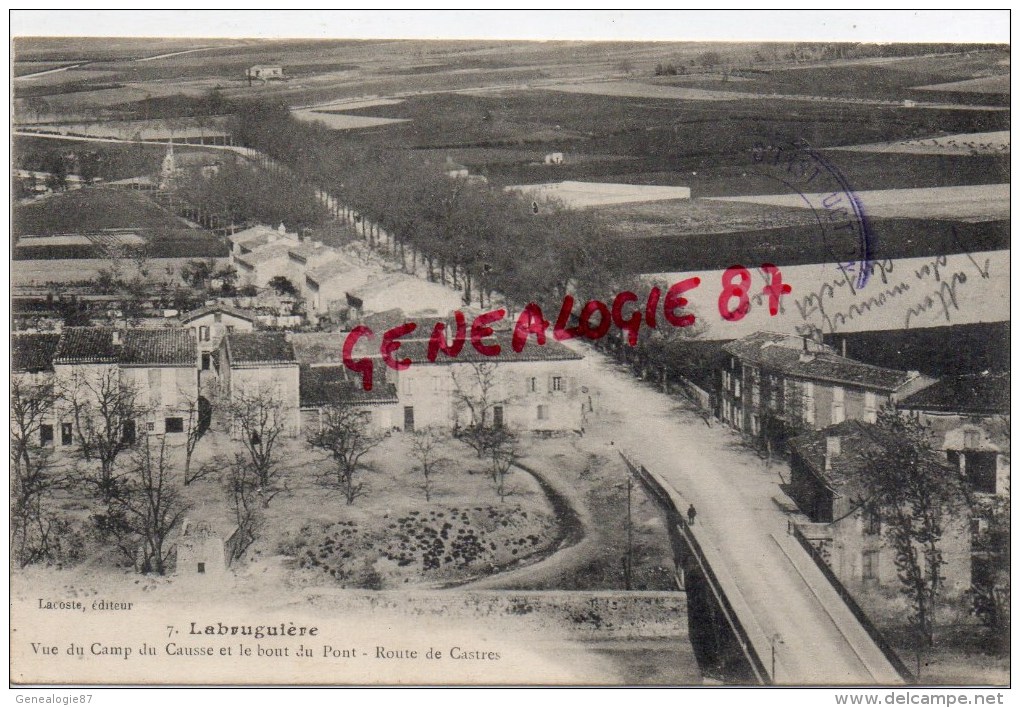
743	531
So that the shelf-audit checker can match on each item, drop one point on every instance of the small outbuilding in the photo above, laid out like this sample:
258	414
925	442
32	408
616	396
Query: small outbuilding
200	551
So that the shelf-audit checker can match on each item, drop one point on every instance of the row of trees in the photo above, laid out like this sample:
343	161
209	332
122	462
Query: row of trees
237	193
465	233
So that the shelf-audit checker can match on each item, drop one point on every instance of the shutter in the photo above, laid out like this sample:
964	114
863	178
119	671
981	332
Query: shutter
549	381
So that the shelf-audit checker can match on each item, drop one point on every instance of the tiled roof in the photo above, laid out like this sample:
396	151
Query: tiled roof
986	394
325	385
327	347
857	442
219	307
319	347
159	347
325	271
268	252
308	250
254	237
86	345
416	349
259	348
33	352
162	346
782	353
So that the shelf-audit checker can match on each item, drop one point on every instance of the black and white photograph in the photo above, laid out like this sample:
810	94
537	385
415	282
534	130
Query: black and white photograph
347	359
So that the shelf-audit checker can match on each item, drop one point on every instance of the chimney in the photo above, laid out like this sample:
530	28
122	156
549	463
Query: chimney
833	448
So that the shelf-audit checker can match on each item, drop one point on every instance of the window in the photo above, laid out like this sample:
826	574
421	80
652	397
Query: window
437	384
66	434
869	566
203	334
497	416
45	434
201	568
736	388
872	522
971	439
218	317
557	383
532	385
206	361
870	407
405	384
175	425
150	427
808	401
981	470
230	329
129	432
838	404
543	412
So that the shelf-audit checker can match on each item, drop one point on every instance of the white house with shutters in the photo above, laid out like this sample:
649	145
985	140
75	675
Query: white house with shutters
537	389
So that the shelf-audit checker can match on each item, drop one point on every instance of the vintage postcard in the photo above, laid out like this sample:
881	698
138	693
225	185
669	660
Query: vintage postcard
373	361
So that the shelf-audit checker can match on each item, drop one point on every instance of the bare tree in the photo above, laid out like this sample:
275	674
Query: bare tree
35	530
243	496
105	409
258	418
344	434
917	495
502	450
476	392
195	428
425	448
148	508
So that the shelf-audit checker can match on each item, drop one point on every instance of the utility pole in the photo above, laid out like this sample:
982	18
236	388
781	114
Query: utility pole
777	638
630	536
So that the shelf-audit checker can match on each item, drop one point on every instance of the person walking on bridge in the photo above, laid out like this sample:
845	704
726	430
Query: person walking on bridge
691	513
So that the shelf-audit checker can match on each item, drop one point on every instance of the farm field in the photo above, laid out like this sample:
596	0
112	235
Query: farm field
168	129
986	202
580	195
114	239
935	351
91	209
683	93
38	272
802	244
984	84
342	121
700	216
993	143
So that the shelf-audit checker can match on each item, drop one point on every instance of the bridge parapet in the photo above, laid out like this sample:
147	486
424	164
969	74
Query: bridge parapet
754	643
